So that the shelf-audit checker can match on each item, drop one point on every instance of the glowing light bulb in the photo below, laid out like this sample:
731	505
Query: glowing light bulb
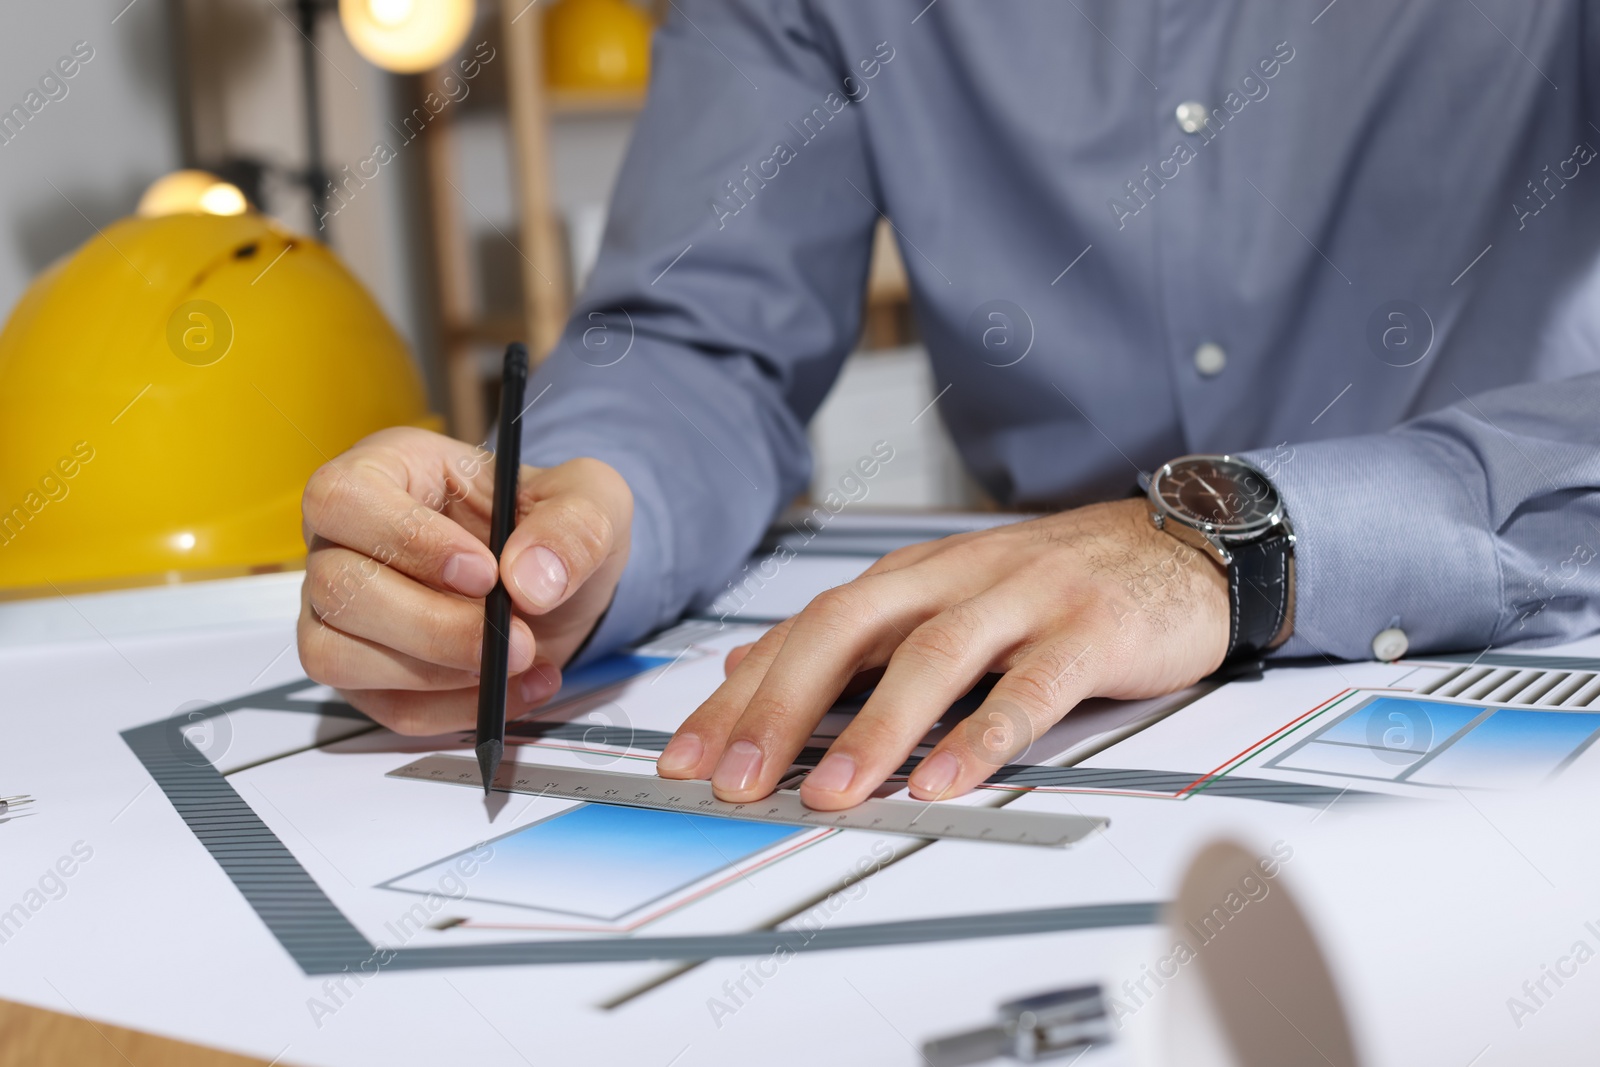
184	541
191	192
406	36
223	199
391	12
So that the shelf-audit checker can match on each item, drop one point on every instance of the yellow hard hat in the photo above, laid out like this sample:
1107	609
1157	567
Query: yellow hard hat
166	391
597	45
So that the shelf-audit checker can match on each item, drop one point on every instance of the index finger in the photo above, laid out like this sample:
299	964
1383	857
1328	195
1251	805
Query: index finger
355	502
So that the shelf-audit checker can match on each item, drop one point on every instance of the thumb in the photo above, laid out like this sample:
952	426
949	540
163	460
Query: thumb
571	539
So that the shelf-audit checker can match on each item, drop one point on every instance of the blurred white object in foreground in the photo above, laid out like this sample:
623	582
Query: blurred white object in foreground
1460	933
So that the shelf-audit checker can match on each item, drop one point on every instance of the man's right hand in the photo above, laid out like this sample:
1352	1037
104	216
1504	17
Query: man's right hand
398	564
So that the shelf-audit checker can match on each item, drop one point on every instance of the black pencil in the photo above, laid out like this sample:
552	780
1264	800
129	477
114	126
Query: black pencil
492	673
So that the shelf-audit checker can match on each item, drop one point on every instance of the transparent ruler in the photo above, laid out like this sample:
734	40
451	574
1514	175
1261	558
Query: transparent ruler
912	818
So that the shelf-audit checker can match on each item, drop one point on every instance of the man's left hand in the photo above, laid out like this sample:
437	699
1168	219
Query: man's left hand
1089	602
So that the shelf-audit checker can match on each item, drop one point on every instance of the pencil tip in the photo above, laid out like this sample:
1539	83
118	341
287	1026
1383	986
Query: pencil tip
489	762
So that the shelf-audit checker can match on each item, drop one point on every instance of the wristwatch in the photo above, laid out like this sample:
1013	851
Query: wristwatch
1228	509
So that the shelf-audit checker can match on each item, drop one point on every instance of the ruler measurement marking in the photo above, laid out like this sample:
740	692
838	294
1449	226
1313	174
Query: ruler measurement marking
1042	829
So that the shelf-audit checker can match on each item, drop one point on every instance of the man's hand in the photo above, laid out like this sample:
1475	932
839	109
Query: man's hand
398	565
1091	602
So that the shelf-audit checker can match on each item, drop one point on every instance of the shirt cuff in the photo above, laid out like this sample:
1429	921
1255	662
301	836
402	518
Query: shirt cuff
1389	531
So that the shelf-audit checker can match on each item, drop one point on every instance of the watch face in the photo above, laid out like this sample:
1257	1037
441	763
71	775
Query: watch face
1217	493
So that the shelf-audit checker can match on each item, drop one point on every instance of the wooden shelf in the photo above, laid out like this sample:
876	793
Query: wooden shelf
529	109
886	281
463	329
493	330
564	102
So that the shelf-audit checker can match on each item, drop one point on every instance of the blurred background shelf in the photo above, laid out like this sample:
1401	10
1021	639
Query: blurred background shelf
595	102
564	144
488	215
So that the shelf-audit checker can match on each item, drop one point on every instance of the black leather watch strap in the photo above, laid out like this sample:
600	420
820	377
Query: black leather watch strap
1259	590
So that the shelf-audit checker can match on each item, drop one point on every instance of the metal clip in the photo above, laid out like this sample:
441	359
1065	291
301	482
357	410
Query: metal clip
1041	1027
7	803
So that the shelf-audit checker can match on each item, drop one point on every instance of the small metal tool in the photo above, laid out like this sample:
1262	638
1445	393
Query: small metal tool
7	803
1045	1026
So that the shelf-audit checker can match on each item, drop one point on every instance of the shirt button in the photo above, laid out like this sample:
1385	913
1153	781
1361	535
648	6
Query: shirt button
1209	359
1192	116
1390	644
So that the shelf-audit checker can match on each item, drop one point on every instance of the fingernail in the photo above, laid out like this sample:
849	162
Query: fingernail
540	575
681	755
539	682
833	774
738	768
469	574
935	775
520	650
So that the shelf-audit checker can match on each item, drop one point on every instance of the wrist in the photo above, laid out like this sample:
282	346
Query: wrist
1179	576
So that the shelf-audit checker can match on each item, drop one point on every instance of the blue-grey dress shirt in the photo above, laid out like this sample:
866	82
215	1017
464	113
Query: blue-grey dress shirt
1358	242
